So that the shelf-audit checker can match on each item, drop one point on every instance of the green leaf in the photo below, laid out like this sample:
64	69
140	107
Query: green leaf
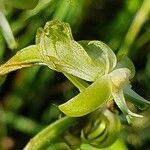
90	99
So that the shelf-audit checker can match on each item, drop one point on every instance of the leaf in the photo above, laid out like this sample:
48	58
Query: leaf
26	57
61	53
90	99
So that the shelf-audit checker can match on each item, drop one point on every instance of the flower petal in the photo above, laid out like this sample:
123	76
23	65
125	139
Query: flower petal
121	103
90	99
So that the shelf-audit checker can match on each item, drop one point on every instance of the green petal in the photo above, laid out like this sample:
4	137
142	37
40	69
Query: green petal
101	53
89	100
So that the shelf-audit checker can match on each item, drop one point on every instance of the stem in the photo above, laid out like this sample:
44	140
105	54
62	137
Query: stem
7	32
50	134
134	29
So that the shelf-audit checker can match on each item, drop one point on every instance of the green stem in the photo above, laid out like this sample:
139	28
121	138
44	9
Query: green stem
50	134
134	29
7	32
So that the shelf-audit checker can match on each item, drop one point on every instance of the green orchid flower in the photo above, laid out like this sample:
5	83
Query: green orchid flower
80	61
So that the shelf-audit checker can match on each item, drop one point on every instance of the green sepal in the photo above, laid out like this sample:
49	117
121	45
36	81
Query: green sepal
93	97
121	103
26	57
135	98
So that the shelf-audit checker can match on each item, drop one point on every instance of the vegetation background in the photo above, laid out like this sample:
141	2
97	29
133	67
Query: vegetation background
29	97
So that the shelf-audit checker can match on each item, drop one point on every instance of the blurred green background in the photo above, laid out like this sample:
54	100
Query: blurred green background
29	97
